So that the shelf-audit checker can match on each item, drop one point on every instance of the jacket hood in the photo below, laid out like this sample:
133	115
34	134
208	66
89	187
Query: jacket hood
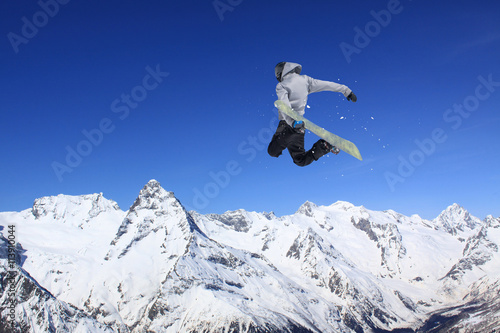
291	67
284	68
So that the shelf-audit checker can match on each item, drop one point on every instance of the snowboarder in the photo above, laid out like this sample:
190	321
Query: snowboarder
293	89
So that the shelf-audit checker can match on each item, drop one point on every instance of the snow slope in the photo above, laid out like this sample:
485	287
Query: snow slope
338	268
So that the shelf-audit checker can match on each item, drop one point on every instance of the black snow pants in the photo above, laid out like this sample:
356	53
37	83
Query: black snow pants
288	137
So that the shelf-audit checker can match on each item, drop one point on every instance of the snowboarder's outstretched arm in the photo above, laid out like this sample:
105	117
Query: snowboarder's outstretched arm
315	85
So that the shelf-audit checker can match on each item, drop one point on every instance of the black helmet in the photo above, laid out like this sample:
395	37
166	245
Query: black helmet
278	70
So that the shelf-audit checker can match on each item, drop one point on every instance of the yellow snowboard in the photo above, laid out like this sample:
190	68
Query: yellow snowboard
333	139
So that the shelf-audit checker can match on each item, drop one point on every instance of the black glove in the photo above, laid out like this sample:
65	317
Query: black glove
352	97
299	126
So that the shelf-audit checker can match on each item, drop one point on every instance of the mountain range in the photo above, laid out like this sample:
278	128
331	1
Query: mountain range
84	265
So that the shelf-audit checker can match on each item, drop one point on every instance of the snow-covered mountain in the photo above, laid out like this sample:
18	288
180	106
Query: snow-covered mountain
84	265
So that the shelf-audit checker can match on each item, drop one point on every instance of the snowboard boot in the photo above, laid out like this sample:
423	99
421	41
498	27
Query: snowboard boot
329	147
321	147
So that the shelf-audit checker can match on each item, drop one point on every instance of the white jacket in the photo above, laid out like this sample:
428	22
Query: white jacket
294	89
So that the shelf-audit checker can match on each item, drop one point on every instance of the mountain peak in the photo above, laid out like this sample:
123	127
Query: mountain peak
157	215
456	218
152	196
307	208
492	222
153	183
453	210
67	206
151	188
455	207
343	205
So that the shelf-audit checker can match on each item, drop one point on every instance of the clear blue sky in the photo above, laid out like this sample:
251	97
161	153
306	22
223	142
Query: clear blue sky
183	92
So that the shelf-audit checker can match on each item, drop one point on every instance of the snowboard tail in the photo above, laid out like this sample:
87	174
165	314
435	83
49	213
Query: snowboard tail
337	141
